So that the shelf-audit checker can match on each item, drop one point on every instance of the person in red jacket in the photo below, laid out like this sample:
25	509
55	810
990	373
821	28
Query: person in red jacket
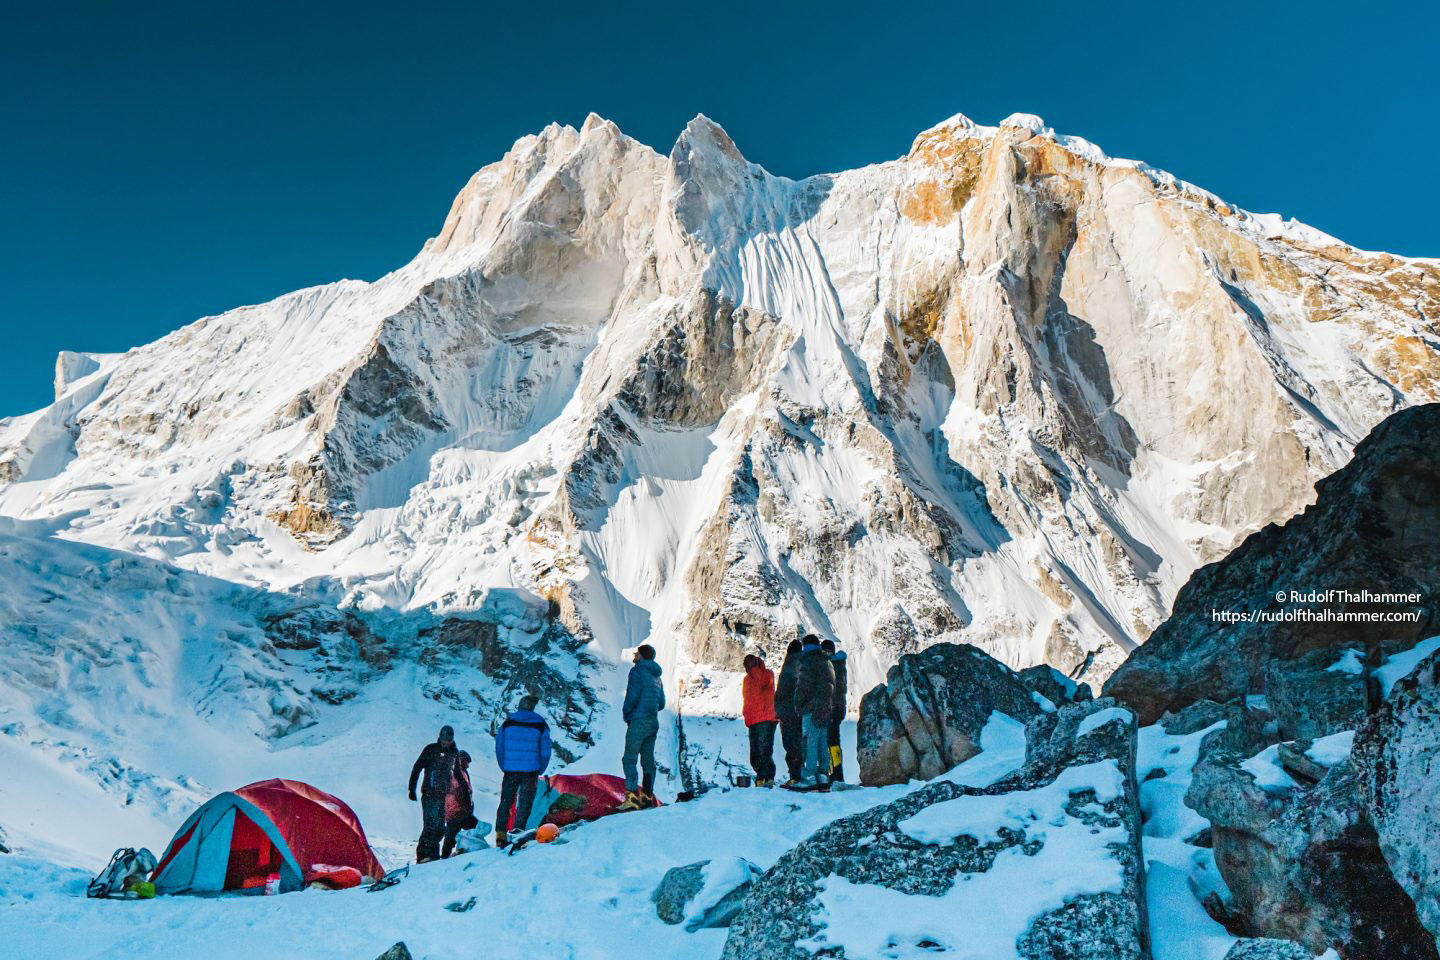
757	694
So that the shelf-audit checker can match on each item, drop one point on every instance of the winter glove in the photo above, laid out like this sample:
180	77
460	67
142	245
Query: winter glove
412	794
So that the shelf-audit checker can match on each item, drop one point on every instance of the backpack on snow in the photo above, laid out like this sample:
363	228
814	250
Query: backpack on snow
126	864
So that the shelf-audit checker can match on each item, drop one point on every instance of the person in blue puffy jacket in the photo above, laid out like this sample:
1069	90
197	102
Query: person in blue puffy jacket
644	699
522	749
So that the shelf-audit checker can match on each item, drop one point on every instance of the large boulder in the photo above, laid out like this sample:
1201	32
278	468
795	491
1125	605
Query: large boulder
706	894
1299	855
1398	757
1045	863
1374	526
927	716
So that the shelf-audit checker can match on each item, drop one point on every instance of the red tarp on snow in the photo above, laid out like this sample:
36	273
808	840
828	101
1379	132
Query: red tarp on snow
603	795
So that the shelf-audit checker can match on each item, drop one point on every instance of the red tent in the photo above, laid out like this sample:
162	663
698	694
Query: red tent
281	828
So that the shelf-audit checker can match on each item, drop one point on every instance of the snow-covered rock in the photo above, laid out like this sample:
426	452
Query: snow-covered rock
1300	858
705	895
1048	856
1268	948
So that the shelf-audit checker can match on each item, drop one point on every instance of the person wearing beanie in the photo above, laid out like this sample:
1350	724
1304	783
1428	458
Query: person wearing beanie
644	699
522	750
757	698
437	762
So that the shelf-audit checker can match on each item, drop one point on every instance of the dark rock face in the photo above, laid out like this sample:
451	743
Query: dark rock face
1375	526
680	885
397	952
1310	699
1398	758
1054	685
784	909
1304	864
928	716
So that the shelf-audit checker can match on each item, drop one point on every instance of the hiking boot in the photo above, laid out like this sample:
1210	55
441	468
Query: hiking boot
633	801
502	840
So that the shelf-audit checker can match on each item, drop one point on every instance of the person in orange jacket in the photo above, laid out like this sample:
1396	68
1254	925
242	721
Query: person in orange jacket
757	694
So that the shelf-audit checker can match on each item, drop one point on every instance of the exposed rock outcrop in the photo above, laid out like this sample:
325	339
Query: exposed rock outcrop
1397	756
704	895
1054	685
1375	526
1302	860
1076	793
928	715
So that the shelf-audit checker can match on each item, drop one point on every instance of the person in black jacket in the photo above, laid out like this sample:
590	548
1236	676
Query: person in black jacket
437	761
792	737
837	710
815	702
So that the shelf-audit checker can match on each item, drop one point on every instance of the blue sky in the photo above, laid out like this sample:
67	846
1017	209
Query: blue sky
162	162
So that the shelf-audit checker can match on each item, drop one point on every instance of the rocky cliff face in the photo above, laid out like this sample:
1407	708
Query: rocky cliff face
1003	390
1375	526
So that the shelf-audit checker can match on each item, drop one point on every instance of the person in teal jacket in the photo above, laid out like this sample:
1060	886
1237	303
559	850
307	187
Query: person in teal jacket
644	699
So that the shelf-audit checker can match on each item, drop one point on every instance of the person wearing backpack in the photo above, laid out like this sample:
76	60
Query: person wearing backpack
792	736
437	762
814	701
459	804
757	698
522	749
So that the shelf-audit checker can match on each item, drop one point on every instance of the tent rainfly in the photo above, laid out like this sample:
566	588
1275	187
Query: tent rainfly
274	828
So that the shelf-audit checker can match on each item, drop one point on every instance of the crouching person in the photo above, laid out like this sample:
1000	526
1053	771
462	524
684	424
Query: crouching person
459	804
522	749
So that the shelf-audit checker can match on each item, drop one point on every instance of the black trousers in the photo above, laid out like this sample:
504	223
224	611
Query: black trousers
432	829
762	749
793	740
517	789
837	767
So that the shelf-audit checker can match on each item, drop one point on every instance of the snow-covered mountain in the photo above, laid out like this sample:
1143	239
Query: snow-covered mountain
1003	390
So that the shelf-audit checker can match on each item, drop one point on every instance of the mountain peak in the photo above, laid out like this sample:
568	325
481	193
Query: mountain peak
702	134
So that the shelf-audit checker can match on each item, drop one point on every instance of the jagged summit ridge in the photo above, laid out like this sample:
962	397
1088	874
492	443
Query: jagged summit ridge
1003	390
